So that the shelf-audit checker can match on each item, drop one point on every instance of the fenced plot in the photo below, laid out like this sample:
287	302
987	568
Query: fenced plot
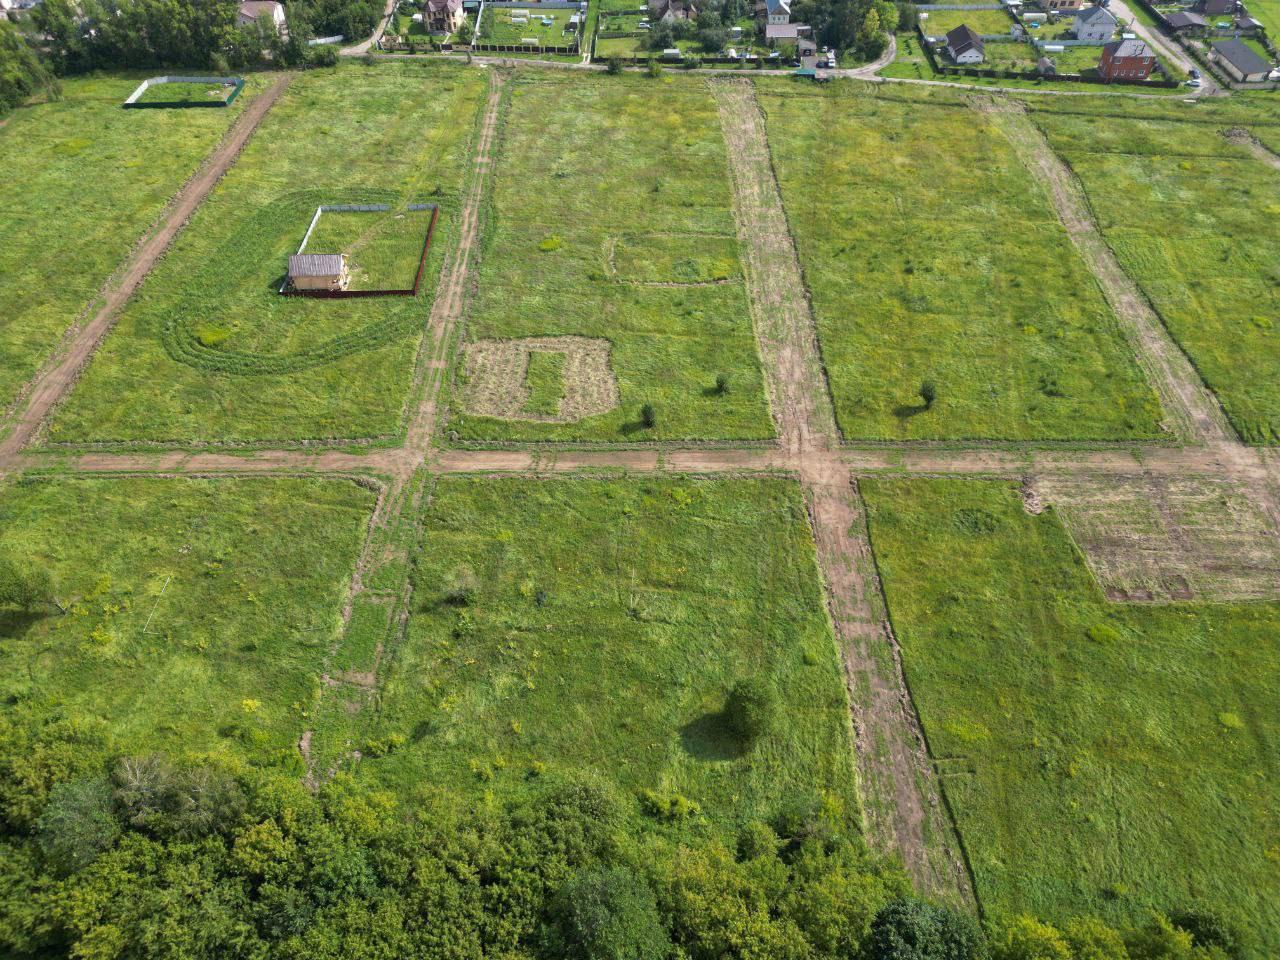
179	92
386	246
527	25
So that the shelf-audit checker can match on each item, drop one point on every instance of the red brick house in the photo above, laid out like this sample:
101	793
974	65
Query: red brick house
1126	60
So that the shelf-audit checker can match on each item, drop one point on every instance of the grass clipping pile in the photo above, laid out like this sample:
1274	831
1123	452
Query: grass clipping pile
496	381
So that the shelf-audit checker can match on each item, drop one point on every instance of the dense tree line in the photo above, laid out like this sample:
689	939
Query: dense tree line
104	855
22	74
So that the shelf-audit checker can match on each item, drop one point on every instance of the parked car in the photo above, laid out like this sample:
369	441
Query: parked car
1195	74
1193	82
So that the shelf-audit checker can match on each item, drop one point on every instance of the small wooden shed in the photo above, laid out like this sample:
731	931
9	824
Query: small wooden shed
318	271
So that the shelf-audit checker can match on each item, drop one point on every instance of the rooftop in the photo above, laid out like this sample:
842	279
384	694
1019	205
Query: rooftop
1128	48
315	265
1241	57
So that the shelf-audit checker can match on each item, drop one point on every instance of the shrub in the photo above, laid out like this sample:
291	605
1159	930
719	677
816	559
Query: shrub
751	710
322	56
615	66
1026	938
78	823
692	62
668	806
1091	939
722	384
928	393
648	416
910	929
461	587
608	913
552	242
1103	633
655	68
24	586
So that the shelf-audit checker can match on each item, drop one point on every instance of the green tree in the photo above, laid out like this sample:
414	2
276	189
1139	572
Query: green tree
608	913
1026	938
614	66
911	929
25	586
465	33
78	823
928	393
648	416
1091	939
751	710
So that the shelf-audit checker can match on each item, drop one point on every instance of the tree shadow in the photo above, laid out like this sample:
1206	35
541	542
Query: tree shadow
710	738
906	411
14	624
635	426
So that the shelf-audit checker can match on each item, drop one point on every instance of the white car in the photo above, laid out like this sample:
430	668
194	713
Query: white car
1193	82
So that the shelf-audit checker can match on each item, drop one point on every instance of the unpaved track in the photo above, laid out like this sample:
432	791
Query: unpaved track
899	784
1255	146
60	373
1192	412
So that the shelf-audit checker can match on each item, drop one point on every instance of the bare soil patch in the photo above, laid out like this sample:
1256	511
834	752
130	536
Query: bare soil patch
1154	538
496	387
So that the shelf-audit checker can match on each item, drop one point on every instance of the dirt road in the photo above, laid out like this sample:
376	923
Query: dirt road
62	369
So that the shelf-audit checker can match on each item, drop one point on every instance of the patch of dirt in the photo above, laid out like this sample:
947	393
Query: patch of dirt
496	369
1242	137
1032	501
1154	538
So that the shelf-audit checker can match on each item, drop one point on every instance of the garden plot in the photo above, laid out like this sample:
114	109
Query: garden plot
208	351
383	247
1101	759
519	25
1191	217
623	186
982	22
932	254
542	379
84	180
599	625
197	614
1170	538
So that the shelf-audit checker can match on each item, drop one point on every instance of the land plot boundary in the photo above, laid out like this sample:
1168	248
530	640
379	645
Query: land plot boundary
366	208
133	102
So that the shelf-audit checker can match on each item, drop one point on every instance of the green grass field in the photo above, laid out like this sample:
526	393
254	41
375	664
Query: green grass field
602	191
931	253
185	93
1191	218
1267	12
383	249
609	622
1101	758
83	181
208	351
940	22
497	26
199	612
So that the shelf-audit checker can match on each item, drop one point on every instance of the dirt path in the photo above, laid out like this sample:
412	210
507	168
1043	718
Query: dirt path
899	784
780	311
1260	150
59	373
1191	411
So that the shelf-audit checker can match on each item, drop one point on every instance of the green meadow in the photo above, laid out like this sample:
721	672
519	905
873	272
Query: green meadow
195	614
931	253
599	625
84	179
1101	758
1191	218
208	351
611	218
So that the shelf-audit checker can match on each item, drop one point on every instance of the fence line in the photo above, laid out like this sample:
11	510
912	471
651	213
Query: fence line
235	83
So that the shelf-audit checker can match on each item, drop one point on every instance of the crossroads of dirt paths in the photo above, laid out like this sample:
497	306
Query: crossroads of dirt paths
899	779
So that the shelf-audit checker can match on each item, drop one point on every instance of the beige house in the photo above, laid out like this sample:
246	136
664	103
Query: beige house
251	10
443	16
318	271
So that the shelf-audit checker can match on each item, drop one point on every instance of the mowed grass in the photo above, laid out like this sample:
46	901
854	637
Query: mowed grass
931	253
185	93
497	26
595	176
383	248
1101	758
983	22
199	612
83	181
1192	219
608	623
208	351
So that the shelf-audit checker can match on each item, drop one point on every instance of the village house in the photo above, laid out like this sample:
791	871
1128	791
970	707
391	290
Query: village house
443	16
1064	6
1126	60
251	11
672	10
318	271
1095	23
1184	22
965	46
778	28
1216	8
1239	62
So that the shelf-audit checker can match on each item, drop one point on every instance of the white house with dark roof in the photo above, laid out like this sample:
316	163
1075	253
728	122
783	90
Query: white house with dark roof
965	46
1095	23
